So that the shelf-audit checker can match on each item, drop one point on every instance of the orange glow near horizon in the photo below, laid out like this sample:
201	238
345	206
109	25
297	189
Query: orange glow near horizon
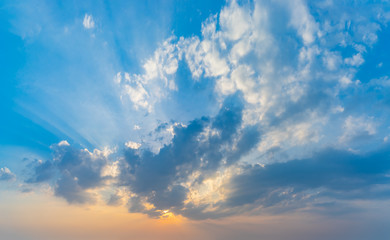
41	216
46	216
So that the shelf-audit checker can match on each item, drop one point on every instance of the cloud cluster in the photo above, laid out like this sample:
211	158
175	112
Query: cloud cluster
178	180
162	181
204	145
284	78
292	62
156	183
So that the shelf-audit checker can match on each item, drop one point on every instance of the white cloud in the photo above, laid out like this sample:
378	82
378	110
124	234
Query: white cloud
382	81
290	135
332	60
137	93
242	77
345	81
303	21
203	57
157	80
63	143
6	174
5	170
357	127
356	60
337	109
132	145
162	65
111	169
285	79
133	88
235	21
88	22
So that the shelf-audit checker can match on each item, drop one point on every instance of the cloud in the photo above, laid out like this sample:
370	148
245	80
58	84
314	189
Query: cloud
355	60
73	172
88	22
134	89
146	89
289	87
204	145
6	174
132	145
328	179
285	59
356	128
115	200
293	64
303	21
63	143
284	86
336	173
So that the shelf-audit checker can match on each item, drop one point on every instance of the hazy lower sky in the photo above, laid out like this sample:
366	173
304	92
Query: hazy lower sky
179	119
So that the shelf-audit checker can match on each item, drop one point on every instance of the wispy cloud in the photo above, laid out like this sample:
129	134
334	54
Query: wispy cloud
88	22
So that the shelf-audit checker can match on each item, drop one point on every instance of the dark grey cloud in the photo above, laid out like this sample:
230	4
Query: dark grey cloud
331	173
42	171
315	98
203	145
115	200
72	172
327	183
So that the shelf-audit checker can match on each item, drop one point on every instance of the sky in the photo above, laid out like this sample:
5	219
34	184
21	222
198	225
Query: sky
184	119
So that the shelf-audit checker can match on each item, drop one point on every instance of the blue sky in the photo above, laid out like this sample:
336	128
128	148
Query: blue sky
200	111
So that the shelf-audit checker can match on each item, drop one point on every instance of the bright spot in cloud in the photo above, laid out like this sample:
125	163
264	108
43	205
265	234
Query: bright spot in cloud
132	145
63	143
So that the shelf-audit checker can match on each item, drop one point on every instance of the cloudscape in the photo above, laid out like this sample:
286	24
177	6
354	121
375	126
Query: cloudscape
184	119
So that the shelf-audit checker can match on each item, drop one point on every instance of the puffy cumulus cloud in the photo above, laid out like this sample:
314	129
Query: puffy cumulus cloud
147	89
292	61
6	174
74	173
134	89
132	145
